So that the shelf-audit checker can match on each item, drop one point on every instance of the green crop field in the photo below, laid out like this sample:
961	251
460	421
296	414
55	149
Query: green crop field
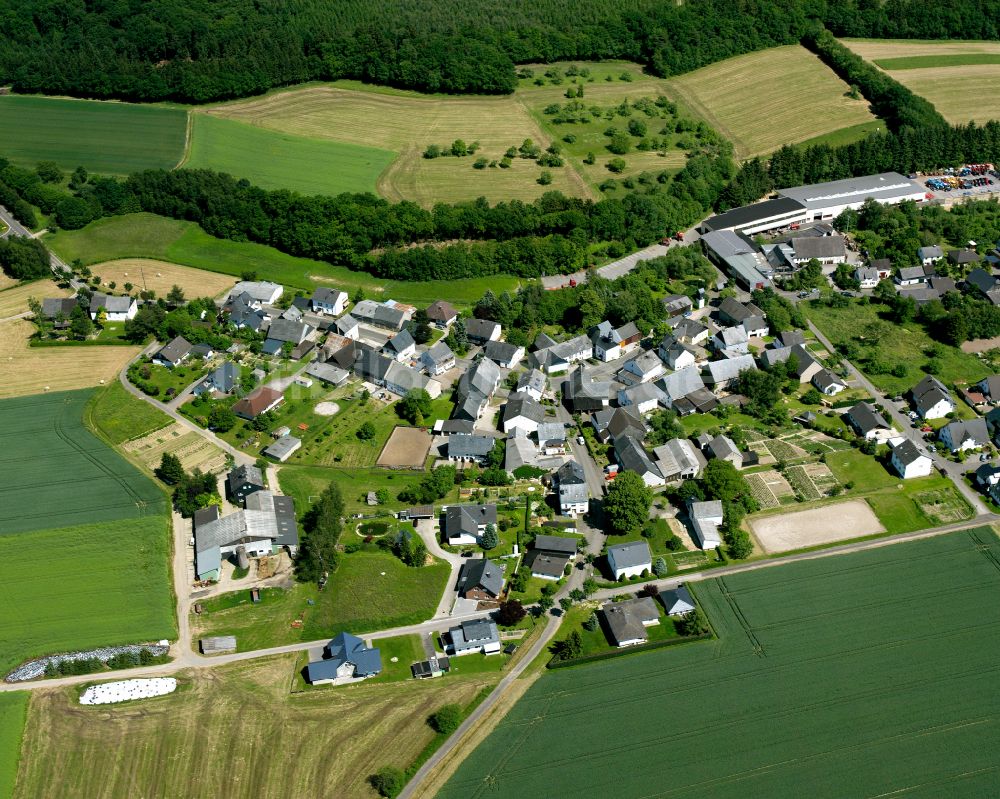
151	236
56	473
869	674
959	78
766	99
84	586
104	137
277	160
13	712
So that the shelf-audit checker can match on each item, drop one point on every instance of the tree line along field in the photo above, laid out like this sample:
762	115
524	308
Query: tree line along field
84	536
959	78
147	236
323	742
863	674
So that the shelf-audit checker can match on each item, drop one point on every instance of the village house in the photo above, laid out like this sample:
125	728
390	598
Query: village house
438	359
469	448
328	301
571	488
260	400
583	395
677	601
626	621
465	524
480	331
115	309
610	343
554	357
678	459
174	353
632	457
504	355
442	314
471	637
243	481
346	659
533	383
644	368
552	438
962	435
480	579
828	383
223	379
868	422
400	347
705	520
909	462
521	412
645	397
629	560
931	399
260	292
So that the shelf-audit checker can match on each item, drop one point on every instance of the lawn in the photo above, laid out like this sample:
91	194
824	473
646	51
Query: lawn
84	586
13	714
369	591
914	507
959	78
234	731
155	237
56	473
753	101
893	344
118	416
864	471
105	137
277	160
860	679
406	123
595	642
169	380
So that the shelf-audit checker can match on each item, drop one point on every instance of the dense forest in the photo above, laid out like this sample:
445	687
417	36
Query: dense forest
199	50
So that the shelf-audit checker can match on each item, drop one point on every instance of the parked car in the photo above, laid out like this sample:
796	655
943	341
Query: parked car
581	440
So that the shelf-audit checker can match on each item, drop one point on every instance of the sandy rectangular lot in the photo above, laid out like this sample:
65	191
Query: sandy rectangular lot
407	447
806	528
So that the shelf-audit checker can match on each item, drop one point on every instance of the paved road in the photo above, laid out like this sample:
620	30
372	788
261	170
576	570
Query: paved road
955	471
15	228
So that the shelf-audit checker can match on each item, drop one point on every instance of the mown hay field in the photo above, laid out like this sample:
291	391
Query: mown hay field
56	473
35	370
160	276
14	298
935	70
236	732
868	674
119	416
764	100
106	137
280	160
406	123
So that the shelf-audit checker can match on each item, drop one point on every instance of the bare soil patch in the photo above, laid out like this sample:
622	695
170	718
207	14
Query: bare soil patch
407	447
838	522
326	408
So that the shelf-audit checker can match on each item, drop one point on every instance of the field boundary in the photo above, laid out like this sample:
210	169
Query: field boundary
188	132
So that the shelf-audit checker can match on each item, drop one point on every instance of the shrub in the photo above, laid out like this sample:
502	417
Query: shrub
387	781
446	719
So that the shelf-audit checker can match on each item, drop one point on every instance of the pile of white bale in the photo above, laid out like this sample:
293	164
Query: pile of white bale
127	690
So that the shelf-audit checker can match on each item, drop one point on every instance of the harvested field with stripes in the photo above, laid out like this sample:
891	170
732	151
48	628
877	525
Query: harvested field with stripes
14	298
868	674
160	276
766	99
35	370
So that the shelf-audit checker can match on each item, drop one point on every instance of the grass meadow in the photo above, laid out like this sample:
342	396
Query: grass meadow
763	100
235	731
280	160
13	714
369	591
105	137
178	242
959	78
864	674
119	416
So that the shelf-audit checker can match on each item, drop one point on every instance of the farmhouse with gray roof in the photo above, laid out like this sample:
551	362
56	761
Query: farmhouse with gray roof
627	621
469	637
480	579
345	659
629	560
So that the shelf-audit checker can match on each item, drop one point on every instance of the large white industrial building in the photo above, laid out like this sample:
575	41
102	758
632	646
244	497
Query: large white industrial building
822	201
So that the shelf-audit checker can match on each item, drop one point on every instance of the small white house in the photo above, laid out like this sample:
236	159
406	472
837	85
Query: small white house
116	309
643	368
962	435
629	560
910	462
328	301
867	276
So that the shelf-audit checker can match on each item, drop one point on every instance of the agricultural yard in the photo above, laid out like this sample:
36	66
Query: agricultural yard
764	100
105	137
85	586
147	274
183	744
14	298
178	242
959	78
34	370
279	160
193	450
823	525
369	591
118	416
862	678
56	473
406	123
891	344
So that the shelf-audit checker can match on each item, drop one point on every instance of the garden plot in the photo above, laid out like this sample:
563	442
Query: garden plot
824	525
406	448
802	483
943	506
821	477
192	449
784	451
770	488
765	458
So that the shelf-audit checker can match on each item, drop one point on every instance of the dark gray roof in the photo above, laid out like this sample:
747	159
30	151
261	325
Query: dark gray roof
625	619
519	404
547	564
633	458
748	214
483	574
480	329
676	599
109	303
287	330
964	256
175	351
500	351
555	543
244	475
533	379
633	553
466	445
790	338
928	392
819	247
401	342
961	430
906	452
571	472
864	418
459	519
53	306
